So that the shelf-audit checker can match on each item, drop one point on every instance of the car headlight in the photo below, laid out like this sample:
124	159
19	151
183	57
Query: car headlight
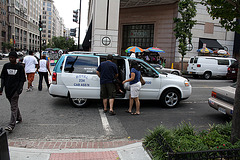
186	83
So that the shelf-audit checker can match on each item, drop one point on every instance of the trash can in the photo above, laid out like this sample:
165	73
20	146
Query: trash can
4	152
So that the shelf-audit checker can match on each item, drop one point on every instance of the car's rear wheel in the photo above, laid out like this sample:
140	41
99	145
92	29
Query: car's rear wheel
175	72
170	98
78	102
207	75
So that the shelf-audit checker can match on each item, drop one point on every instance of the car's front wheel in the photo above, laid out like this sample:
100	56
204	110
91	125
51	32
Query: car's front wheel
78	102
170	98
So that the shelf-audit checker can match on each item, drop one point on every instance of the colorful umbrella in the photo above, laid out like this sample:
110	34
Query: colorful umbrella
205	50
222	52
134	49
56	49
155	49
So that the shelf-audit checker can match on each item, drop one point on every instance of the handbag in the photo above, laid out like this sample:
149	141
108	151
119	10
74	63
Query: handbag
142	80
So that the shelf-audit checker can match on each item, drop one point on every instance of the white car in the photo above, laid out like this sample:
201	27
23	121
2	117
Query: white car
207	66
74	77
222	99
160	68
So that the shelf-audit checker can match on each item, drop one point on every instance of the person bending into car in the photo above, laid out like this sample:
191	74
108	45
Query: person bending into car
135	86
107	71
13	78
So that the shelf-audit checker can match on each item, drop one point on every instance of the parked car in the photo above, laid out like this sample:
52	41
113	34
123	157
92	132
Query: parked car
160	68
5	54
74	77
1	56
222	99
233	71
208	66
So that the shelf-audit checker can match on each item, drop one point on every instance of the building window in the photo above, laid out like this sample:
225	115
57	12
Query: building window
140	35
3	34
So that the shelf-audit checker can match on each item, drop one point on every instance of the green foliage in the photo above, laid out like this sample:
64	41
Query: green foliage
220	9
184	24
184	138
61	42
7	45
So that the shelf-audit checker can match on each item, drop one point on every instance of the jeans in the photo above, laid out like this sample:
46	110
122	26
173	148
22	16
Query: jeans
41	75
15	112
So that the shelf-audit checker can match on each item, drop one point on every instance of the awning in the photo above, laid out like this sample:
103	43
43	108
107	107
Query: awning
86	42
211	43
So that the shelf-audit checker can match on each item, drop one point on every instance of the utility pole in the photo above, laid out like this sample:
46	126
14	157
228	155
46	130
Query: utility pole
79	25
40	33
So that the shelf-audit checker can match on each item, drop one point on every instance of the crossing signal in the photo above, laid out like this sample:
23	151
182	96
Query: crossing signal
40	27
75	16
73	32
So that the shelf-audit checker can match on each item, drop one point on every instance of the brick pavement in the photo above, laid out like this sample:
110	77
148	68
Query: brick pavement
108	155
68	144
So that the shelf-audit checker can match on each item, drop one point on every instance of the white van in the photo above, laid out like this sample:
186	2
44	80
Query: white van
208	66
74	77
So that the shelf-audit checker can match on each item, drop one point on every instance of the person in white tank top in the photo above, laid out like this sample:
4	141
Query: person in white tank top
43	70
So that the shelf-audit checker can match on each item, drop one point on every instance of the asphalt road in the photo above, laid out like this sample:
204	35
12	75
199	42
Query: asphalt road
46	117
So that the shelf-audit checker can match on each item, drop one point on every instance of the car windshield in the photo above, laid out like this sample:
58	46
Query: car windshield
234	85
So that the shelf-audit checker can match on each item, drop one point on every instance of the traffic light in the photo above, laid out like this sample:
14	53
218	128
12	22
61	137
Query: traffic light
40	27
75	16
73	32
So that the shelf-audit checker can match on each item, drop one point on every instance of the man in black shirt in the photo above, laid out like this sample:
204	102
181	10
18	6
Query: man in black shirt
13	78
107	71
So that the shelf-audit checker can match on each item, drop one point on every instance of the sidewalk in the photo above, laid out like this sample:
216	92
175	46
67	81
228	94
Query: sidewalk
111	150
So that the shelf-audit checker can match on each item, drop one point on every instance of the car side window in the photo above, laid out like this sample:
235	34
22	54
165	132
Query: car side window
81	64
146	71
223	62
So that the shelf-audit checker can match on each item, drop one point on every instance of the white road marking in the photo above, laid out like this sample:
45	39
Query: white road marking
105	123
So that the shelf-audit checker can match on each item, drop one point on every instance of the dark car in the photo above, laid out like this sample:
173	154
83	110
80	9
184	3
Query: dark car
232	71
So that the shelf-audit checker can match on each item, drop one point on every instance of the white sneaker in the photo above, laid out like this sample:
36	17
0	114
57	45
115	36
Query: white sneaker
29	90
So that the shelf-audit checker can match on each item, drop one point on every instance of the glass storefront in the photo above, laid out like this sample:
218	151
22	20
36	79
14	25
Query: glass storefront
140	35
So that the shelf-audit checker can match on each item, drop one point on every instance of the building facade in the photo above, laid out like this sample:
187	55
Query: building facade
150	23
4	25
53	25
34	12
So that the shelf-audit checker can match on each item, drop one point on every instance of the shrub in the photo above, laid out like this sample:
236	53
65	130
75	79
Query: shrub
184	138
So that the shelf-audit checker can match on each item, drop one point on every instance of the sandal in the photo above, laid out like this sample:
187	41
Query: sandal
127	111
8	128
135	113
112	113
105	111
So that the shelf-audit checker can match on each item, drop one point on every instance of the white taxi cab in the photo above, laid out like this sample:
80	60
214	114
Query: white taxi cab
74	77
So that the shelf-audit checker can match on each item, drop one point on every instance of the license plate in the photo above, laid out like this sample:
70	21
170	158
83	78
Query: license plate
233	71
222	110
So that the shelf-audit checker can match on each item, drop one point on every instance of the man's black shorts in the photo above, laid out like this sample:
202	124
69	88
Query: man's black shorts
108	91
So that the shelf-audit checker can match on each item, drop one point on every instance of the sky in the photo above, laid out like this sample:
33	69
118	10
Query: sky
65	9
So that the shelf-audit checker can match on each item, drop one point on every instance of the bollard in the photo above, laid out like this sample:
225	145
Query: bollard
4	152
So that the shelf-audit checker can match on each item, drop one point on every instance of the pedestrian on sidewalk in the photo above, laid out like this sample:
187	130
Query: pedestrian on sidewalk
30	63
107	71
13	78
43	69
135	86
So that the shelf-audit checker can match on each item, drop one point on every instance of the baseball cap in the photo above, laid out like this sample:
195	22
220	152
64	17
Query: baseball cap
13	54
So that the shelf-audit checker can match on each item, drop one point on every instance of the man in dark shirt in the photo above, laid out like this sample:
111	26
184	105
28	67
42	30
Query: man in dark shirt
13	78
107	71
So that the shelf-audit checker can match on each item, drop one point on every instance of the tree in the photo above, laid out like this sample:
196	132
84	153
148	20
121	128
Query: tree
184	24
228	11
61	42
